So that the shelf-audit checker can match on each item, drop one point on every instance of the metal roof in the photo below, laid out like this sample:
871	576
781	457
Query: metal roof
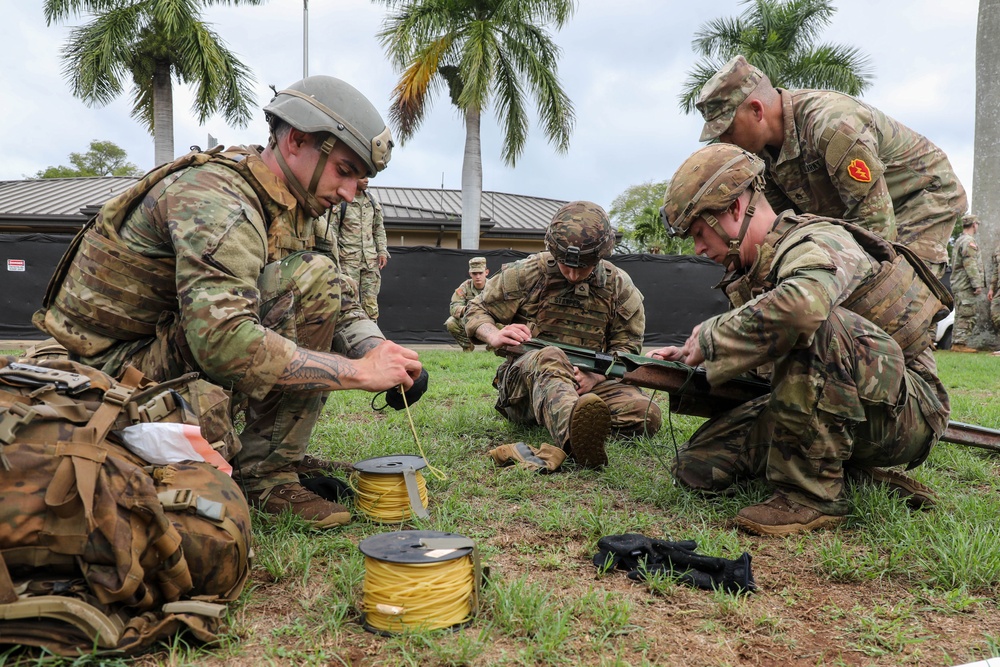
72	201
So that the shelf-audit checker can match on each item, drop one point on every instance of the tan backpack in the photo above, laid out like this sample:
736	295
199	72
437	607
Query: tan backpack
100	550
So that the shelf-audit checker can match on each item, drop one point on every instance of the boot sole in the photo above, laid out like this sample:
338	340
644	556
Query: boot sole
788	529
589	429
916	495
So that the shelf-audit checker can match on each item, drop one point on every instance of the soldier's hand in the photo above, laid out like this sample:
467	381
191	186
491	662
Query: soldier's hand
382	261
668	353
585	380
391	365
512	334
692	350
989	295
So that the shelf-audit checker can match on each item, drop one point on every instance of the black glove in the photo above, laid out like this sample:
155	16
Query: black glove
394	397
642	556
329	488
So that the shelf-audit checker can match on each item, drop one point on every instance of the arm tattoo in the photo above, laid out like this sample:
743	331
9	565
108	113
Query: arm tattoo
311	370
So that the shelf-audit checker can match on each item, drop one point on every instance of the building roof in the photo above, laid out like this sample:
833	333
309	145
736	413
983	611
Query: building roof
61	204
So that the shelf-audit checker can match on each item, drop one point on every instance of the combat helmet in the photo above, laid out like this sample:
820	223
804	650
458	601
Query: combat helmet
324	104
580	235
709	181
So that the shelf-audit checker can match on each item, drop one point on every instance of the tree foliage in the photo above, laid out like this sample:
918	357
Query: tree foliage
105	158
636	214
779	37
149	44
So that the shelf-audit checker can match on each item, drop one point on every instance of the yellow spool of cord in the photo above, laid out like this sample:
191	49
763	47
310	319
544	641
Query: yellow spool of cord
390	488
419	579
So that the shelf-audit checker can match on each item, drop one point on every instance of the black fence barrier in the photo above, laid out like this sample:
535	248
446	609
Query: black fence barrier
417	284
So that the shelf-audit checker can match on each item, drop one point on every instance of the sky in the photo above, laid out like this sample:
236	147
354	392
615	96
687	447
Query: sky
622	64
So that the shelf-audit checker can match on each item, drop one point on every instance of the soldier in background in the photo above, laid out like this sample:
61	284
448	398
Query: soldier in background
361	244
993	295
460	299
830	154
208	265
808	300
568	294
966	284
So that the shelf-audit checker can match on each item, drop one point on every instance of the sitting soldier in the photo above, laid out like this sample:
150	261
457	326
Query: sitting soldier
460	299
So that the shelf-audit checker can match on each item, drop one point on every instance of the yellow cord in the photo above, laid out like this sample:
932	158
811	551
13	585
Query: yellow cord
384	497
413	429
426	595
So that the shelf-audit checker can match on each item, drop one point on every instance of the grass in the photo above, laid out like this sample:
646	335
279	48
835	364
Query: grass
890	587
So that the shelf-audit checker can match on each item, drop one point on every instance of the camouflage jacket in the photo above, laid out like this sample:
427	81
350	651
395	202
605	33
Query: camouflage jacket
966	265
460	299
213	228
995	273
361	233
844	159
516	294
816	267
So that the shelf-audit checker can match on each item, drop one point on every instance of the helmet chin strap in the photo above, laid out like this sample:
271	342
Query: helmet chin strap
732	260
306	197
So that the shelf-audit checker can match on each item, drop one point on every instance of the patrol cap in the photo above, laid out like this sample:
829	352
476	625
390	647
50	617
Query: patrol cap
711	179
580	234
724	93
970	220
477	264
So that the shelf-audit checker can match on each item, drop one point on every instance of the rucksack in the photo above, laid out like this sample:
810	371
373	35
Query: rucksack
100	550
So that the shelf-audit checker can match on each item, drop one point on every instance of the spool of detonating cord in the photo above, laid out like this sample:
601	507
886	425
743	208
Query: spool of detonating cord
424	579
390	488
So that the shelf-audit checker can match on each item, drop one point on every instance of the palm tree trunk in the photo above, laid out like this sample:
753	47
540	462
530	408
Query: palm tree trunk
986	158
163	114
472	181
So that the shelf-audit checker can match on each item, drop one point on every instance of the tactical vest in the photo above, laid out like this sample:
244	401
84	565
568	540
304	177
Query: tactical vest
903	298
574	314
117	294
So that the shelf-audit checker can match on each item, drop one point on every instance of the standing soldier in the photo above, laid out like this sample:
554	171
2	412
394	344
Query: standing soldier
994	293
966	283
852	385
830	154
460	299
569	294
361	245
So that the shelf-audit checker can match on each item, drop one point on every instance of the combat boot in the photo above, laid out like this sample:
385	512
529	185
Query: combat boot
960	347
916	495
779	515
312	466
589	428
302	502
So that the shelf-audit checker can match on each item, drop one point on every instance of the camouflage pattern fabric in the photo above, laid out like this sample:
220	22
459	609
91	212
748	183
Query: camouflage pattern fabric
455	324
842	390
243	309
844	159
995	288
966	279
539	386
580	234
360	242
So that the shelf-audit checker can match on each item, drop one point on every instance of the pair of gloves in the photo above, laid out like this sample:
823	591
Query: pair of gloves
641	556
543	459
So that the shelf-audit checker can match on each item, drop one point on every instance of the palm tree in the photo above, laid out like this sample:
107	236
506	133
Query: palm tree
779	37
486	52
151	43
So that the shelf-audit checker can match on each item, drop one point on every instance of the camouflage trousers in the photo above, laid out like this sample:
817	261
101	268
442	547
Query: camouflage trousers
846	399
538	388
995	311
456	328
966	311
369	282
300	299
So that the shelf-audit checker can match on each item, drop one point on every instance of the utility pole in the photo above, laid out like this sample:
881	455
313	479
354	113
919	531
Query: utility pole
305	38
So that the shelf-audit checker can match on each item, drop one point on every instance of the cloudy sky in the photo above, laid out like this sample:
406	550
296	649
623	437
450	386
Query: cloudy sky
622	64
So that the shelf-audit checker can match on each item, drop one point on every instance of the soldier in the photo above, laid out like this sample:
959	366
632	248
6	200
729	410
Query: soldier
567	294
809	301
966	283
994	291
205	265
460	299
361	245
830	154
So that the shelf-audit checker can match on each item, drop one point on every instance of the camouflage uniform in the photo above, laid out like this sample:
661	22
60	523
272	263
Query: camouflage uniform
967	285
844	159
538	387
360	242
248	291
455	324
842	391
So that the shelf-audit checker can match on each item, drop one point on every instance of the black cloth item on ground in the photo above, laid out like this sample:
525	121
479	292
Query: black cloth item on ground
329	488
394	397
642	556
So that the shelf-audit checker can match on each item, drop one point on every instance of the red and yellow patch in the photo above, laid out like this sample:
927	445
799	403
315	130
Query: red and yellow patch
859	171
